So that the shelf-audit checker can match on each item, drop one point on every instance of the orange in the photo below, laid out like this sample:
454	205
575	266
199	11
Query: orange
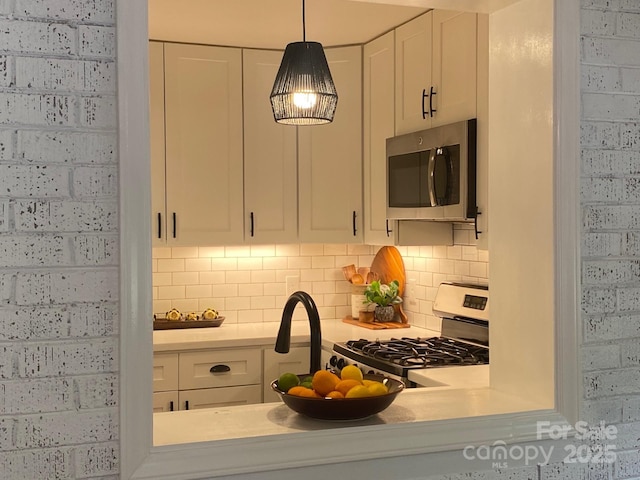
324	381
343	386
309	393
300	391
334	394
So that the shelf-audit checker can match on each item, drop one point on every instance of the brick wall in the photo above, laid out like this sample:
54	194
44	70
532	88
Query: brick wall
58	240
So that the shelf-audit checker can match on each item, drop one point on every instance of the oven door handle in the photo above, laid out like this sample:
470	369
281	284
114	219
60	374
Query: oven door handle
431	182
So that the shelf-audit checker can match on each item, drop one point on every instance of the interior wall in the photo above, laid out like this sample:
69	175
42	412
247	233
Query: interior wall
521	199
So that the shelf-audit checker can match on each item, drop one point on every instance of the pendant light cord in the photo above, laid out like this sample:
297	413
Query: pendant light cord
304	33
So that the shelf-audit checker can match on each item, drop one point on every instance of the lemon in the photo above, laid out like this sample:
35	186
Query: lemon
351	372
377	388
359	391
288	380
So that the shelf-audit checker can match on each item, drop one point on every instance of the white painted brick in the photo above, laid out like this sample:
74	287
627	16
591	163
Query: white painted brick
34	181
628	5
96	249
610	51
612	217
595	411
34	323
627	464
72	286
611	327
72	147
574	471
597	22
630	78
596	300
97	41
605	272
599	357
7	150
631	409
99	112
630	135
65	74
606	383
98	11
36	396
601	244
596	78
97	391
607	162
94	320
7	354
70	216
630	354
44	360
52	430
36	37
6	285
627	436
33	250
601	190
7	71
6	7
628	25
37	109
631	244
599	134
6	433
628	299
50	464
93	460
606	106
95	182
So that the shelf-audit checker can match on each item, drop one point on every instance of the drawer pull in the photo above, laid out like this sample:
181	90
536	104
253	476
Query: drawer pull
220	369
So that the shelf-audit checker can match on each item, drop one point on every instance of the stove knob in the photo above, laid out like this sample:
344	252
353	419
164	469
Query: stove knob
341	363
371	372
333	361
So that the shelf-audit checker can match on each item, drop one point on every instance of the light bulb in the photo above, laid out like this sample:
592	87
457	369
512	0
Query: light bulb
304	100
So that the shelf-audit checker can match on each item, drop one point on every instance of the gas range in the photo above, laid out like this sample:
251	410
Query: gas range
463	340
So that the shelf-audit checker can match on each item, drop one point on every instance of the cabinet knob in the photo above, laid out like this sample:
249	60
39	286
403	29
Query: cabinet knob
220	369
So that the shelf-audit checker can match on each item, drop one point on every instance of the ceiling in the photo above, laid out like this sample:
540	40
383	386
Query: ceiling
273	23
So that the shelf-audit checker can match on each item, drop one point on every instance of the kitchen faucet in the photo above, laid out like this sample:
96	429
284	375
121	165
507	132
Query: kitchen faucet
284	334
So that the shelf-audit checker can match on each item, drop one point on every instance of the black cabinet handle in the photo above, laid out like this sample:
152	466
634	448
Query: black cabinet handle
424	112
220	369
174	224
186	404
388	231
431	109
159	225
251	226
475	223
171	406
355	230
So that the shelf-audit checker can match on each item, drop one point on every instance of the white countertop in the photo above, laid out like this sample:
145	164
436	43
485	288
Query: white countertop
454	392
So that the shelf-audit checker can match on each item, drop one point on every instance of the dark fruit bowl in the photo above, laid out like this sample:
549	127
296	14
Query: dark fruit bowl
342	408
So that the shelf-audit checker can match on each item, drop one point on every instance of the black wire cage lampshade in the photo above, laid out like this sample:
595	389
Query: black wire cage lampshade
303	92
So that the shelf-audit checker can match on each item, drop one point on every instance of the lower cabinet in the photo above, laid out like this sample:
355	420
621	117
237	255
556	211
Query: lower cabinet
275	364
165	401
219	397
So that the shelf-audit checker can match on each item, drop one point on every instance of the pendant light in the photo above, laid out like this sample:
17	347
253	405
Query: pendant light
303	92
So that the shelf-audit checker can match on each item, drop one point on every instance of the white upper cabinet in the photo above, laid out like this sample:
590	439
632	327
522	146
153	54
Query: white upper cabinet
270	170
203	115
330	160
378	125
156	133
435	70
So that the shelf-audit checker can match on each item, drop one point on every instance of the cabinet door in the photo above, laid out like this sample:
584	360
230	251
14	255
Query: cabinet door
413	74
270	170
220	397
454	66
275	364
378	108
203	105
330	160
220	368
165	372
165	401
156	134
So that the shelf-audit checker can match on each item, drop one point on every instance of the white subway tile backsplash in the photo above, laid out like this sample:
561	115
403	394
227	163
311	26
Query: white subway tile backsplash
248	283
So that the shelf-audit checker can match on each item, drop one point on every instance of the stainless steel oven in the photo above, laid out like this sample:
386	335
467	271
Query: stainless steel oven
463	340
431	174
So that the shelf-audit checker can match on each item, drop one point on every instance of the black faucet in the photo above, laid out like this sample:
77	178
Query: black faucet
284	334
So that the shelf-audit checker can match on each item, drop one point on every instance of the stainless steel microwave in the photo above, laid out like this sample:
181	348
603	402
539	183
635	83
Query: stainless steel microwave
431	174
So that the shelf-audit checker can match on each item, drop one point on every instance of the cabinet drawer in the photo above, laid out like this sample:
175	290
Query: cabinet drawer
220	397
220	368
165	372
165	401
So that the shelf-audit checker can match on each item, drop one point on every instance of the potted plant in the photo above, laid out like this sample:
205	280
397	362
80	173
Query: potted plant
385	296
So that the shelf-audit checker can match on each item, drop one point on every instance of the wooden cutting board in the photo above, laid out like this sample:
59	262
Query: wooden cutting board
388	264
375	325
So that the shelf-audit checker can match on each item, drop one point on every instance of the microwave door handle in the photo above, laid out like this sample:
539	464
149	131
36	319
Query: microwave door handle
431	182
